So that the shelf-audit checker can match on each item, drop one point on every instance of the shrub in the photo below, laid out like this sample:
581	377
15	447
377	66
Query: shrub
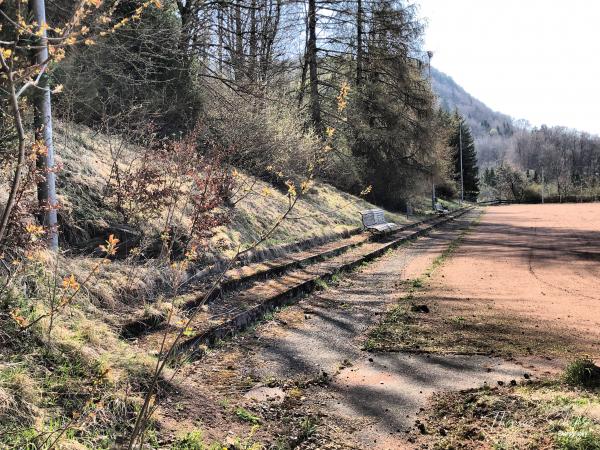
191	441
582	372
532	194
269	139
247	416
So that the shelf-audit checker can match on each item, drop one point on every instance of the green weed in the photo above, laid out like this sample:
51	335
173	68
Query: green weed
321	284
416	283
458	320
191	441
308	427
247	416
579	434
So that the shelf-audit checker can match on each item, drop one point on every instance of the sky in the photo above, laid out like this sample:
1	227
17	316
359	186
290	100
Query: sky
537	60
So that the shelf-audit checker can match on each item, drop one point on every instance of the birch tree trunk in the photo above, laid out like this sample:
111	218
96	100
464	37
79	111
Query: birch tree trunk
47	187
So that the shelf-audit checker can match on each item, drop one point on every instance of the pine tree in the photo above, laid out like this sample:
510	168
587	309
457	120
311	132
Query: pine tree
492	182
469	158
391	113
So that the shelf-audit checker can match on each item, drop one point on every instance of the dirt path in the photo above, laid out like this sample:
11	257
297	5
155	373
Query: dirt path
313	352
379	394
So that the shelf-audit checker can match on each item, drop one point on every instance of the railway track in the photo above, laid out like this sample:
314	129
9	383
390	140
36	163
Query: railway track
248	293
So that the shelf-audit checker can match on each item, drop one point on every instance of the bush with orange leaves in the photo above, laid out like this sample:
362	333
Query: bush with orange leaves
185	183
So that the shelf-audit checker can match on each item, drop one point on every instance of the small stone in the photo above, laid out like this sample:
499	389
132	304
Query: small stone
500	383
513	382
526	376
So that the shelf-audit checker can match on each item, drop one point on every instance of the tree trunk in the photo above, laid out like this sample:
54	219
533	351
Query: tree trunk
239	43
185	12
359	44
270	30
311	53
16	181
251	73
220	37
304	66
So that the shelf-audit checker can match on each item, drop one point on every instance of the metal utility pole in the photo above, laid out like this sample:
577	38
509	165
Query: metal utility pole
429	56
462	184
46	188
432	192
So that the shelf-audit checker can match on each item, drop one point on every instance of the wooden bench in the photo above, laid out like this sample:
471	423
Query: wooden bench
374	220
440	209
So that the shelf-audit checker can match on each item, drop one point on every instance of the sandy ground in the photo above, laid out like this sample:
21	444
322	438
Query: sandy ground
525	280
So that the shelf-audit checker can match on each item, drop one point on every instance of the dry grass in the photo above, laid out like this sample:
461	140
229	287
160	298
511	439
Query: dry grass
80	375
87	162
534	415
323	214
19	394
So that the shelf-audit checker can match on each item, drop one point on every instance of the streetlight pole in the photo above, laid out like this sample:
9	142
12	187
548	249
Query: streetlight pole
542	185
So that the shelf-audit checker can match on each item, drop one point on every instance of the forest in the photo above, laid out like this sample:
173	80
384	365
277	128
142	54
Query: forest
512	153
546	164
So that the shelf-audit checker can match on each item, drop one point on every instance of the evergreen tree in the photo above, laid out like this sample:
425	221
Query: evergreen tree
492	181
469	158
391	115
486	176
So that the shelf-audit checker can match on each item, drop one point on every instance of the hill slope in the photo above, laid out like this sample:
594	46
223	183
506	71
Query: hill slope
86	174
493	131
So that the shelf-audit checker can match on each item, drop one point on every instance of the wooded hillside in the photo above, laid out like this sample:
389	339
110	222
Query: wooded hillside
513	154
